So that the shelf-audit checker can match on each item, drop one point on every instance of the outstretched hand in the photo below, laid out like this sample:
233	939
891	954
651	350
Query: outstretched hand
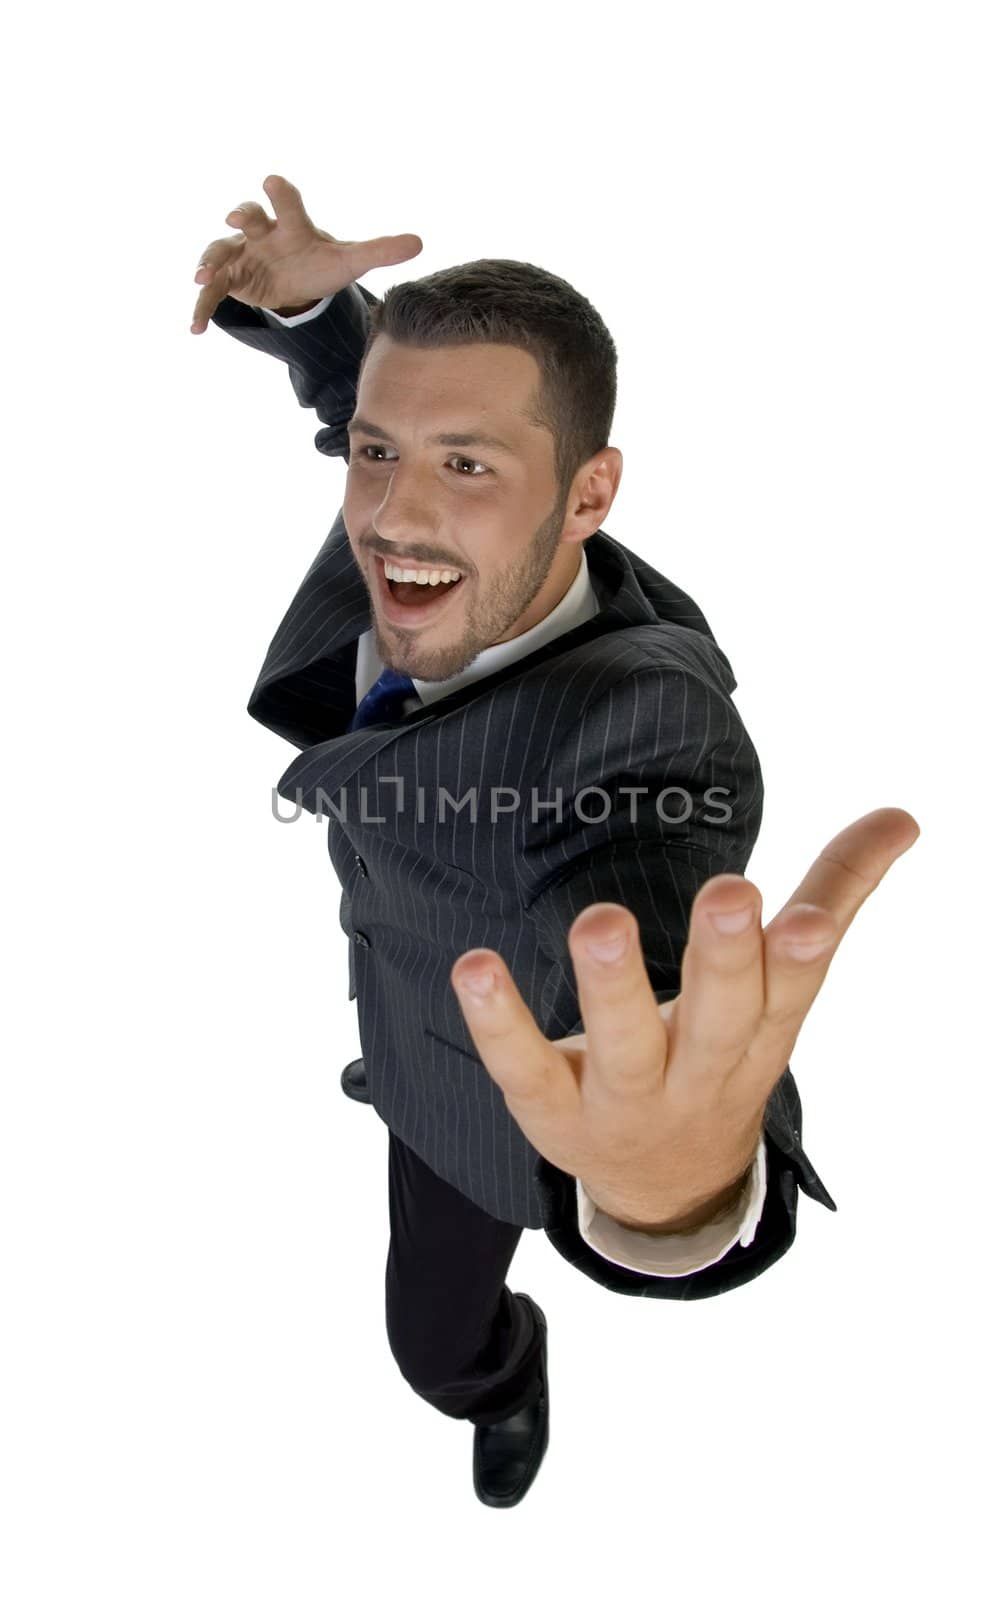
658	1108
281	261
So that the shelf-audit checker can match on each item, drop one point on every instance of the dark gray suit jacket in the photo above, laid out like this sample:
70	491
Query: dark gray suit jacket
638	697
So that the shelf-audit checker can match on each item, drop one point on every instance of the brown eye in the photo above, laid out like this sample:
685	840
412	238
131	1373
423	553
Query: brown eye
464	460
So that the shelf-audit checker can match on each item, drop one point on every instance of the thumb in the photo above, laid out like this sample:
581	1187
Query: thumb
384	251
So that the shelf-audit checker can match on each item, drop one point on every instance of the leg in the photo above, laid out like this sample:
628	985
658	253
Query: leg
463	1341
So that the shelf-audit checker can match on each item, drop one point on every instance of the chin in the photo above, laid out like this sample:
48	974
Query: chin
433	663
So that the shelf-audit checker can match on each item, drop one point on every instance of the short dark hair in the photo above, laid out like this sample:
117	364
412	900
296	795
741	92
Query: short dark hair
513	302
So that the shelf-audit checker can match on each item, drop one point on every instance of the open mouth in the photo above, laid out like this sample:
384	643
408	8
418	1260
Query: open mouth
412	601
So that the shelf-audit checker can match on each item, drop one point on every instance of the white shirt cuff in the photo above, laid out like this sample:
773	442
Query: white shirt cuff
302	316
675	1255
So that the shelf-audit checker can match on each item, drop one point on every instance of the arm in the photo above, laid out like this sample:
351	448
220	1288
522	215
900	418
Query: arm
298	693
286	261
303	692
656	729
321	348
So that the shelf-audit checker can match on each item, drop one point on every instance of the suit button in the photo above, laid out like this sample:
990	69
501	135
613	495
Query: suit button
361	864
361	938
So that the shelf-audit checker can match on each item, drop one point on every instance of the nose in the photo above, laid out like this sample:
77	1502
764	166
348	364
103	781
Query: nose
396	534
401	520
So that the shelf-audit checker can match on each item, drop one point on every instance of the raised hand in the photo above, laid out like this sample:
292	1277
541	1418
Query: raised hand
658	1108
284	262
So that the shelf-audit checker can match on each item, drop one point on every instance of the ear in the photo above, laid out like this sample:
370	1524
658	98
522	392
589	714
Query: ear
593	492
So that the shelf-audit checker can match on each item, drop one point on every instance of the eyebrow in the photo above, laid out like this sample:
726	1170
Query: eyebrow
361	425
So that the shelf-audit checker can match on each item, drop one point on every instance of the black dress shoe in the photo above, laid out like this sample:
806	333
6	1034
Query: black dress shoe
354	1081
507	1454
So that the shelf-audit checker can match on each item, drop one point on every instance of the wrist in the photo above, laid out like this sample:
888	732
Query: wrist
689	1219
687	1211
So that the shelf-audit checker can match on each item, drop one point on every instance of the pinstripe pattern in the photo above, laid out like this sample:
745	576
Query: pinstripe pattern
638	696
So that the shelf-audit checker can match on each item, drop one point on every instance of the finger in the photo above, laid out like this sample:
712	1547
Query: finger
210	298
525	1066
799	945
218	253
625	1039
802	940
252	219
285	198
384	251
854	863
722	982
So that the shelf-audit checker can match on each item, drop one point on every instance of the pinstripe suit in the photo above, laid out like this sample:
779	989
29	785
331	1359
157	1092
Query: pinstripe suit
636	698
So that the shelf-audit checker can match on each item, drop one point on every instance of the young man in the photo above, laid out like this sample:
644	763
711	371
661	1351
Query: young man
523	738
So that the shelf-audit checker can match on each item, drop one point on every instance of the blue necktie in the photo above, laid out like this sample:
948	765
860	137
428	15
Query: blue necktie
383	700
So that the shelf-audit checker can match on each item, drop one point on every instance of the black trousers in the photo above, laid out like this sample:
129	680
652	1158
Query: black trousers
463	1341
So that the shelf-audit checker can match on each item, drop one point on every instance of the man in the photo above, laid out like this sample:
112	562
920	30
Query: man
541	802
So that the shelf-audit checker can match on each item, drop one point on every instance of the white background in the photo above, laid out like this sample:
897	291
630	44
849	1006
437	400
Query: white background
784	214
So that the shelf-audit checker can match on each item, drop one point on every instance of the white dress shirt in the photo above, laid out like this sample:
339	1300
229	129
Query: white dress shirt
661	1255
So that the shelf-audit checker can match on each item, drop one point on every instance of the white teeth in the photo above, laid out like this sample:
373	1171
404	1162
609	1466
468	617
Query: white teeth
412	575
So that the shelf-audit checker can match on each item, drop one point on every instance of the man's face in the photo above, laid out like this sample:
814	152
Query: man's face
461	504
